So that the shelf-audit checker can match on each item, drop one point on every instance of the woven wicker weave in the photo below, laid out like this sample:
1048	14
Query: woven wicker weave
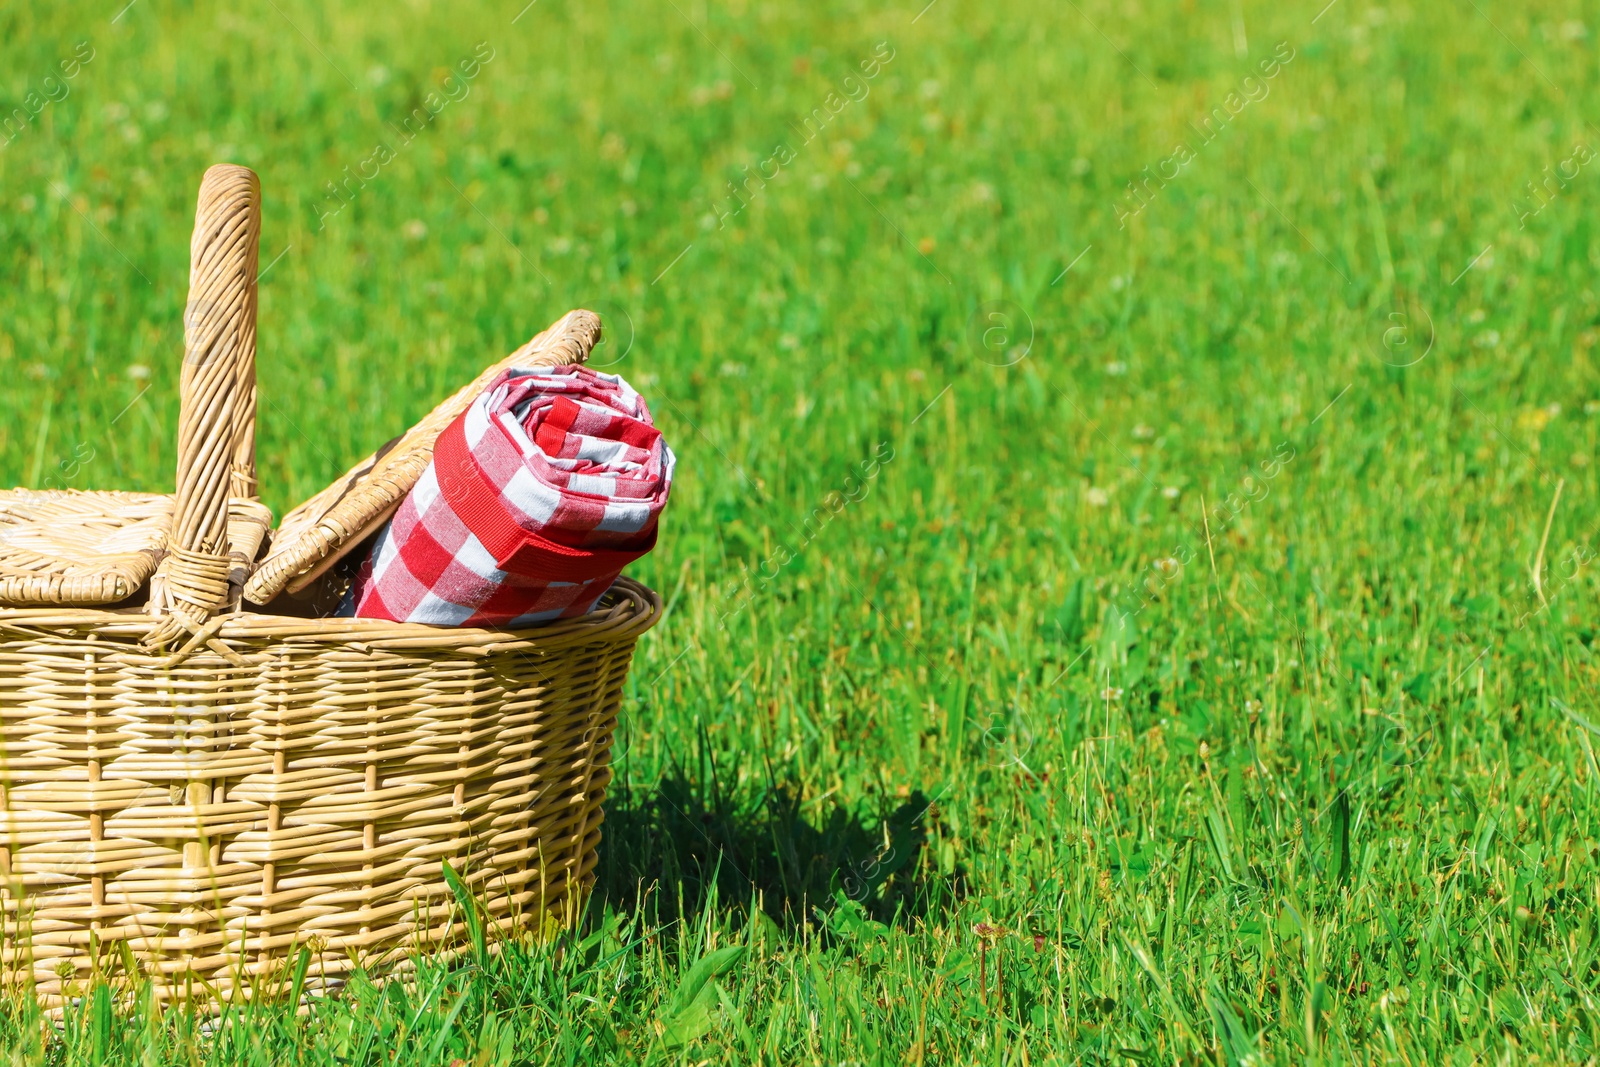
197	792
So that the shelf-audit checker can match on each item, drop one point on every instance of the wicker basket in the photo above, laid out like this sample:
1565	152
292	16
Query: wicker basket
197	792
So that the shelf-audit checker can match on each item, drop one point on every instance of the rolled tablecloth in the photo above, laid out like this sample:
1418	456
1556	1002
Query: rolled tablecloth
536	497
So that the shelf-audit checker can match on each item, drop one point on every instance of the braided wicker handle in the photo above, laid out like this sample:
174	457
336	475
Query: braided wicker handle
216	428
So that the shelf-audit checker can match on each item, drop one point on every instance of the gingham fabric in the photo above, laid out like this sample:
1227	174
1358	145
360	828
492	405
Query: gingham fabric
536	498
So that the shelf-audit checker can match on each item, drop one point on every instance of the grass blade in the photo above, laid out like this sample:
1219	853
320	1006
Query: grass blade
469	913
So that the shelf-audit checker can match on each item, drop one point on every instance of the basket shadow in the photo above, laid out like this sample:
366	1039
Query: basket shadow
678	847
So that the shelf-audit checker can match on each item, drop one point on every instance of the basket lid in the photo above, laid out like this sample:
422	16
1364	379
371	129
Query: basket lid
327	527
77	548
63	546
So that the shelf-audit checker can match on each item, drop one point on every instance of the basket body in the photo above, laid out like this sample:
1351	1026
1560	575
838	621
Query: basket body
202	818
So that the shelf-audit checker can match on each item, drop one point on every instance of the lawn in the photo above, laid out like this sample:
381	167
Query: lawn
1129	572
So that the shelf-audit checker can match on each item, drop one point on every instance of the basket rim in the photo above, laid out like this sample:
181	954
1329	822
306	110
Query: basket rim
625	612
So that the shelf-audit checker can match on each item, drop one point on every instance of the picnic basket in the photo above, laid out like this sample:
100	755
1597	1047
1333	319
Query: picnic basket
196	790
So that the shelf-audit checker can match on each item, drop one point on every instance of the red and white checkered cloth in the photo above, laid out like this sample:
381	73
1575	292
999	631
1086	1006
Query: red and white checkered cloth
536	498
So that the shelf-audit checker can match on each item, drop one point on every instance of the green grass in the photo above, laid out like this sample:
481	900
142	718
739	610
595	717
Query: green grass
1010	753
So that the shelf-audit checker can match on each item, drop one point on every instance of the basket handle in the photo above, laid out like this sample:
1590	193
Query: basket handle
216	426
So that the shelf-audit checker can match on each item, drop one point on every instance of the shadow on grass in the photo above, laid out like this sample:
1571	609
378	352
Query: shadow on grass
678	844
